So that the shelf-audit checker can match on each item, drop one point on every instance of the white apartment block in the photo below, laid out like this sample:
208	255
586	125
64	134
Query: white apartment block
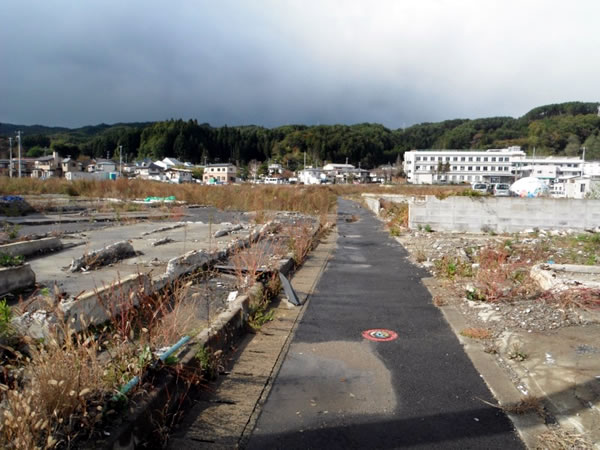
461	166
550	169
494	166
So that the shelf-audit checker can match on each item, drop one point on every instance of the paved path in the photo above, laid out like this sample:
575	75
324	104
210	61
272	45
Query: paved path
337	389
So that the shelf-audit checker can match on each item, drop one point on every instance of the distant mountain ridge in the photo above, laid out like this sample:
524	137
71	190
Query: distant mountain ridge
555	129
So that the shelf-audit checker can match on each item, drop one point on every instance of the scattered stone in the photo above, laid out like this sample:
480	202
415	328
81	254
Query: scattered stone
162	242
225	231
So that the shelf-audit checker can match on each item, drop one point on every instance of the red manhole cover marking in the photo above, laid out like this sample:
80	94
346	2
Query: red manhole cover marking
380	335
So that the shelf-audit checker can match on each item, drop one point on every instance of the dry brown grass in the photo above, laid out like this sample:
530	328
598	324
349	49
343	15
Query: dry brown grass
528	404
558	438
579	297
61	396
317	200
503	276
301	240
477	333
439	301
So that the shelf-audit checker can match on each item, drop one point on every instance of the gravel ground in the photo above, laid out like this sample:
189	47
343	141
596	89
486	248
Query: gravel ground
527	313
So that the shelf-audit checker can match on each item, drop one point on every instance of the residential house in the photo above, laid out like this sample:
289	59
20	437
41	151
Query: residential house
178	175
219	173
47	167
312	176
4	167
169	162
150	171
27	167
70	165
275	168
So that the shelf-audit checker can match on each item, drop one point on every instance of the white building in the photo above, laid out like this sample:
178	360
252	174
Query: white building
551	169
169	162
275	168
460	166
581	187
149	171
338	168
312	176
219	173
177	175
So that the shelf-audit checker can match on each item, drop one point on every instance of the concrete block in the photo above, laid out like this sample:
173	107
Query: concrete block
186	263
225	231
561	277
109	254
94	308
28	248
15	278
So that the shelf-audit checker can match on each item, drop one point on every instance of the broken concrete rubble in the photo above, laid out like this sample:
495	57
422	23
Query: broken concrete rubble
227	230
16	278
564	276
109	254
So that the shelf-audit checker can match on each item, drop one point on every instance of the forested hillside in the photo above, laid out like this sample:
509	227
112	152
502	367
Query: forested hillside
558	129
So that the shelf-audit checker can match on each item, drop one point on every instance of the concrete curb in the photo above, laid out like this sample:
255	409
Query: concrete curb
227	327
170	394
15	278
28	248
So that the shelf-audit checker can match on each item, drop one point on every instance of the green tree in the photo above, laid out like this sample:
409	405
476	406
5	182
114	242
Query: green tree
573	145
592	147
35	152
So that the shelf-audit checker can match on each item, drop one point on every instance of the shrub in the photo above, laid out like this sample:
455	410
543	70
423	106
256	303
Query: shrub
7	260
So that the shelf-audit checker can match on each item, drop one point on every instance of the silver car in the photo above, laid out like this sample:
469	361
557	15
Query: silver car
501	190
482	188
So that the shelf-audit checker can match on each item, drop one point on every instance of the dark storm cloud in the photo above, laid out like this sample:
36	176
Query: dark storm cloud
277	62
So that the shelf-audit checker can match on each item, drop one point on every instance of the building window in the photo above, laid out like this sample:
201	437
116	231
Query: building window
470	158
582	188
462	158
477	168
484	168
470	168
485	158
418	158
493	159
478	159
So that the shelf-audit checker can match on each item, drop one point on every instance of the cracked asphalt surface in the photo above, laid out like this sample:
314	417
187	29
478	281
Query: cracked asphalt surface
337	389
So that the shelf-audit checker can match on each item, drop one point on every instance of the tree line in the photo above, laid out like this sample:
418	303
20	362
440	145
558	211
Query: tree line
557	129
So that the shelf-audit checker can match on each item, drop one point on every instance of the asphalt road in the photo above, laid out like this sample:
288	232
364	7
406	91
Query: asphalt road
337	389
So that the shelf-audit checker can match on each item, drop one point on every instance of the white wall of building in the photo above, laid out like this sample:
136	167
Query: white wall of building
460	166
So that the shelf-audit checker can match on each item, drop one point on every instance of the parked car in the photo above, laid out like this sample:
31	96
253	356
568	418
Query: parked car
501	190
482	188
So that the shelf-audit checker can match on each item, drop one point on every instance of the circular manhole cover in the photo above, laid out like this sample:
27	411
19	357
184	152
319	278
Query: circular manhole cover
379	335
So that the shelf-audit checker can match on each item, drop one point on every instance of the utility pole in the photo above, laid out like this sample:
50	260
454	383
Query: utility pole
583	154
121	159
19	138
10	166
304	160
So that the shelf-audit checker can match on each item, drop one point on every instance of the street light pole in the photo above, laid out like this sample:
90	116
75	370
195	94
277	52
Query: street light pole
19	138
10	165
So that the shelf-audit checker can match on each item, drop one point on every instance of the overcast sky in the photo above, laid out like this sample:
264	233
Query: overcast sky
275	62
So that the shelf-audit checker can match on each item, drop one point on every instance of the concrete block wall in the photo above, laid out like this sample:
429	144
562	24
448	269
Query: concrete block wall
503	214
